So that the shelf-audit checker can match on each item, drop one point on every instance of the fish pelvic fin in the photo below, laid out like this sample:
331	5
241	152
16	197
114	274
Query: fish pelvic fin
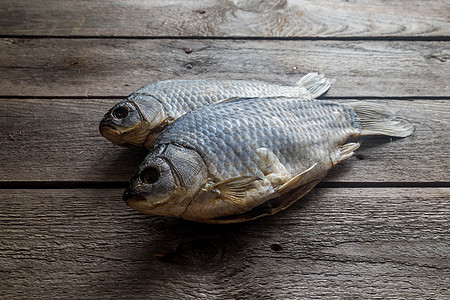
377	119
235	190
316	84
289	198
297	187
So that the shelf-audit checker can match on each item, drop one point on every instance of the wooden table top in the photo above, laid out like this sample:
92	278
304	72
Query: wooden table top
377	227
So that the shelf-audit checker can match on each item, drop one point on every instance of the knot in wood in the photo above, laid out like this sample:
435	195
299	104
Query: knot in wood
201	252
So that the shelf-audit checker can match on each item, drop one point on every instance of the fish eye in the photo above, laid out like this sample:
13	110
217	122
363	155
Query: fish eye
150	175
120	113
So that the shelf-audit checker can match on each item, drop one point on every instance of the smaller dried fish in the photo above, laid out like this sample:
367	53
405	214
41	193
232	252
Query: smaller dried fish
137	120
245	158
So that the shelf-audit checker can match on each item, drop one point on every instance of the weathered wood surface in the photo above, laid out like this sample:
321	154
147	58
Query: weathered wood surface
80	67
58	140
256	18
335	243
339	243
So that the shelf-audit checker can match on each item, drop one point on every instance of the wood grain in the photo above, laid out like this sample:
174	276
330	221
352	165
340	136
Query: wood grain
77	58
58	140
255	18
99	67
342	243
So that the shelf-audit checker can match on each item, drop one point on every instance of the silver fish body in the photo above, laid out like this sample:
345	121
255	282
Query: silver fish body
138	119
245	158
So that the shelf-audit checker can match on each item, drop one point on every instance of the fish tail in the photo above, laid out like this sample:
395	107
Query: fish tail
316	84
380	120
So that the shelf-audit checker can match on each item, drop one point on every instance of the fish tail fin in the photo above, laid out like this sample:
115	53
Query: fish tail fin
377	119
316	84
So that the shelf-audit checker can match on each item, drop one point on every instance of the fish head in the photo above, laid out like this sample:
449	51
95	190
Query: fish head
166	182
134	122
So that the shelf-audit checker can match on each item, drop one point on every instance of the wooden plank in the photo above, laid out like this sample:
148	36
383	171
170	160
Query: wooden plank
299	18
356	243
58	140
80	67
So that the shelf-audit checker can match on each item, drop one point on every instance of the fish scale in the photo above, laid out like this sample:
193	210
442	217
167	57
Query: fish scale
191	94
228	145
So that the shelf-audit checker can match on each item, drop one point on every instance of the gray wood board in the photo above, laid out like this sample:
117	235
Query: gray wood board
99	67
343	243
258	18
58	140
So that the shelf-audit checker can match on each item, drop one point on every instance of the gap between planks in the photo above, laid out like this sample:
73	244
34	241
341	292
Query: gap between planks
121	185
442	38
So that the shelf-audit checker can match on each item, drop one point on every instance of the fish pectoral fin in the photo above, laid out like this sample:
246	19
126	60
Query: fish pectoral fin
295	182
235	189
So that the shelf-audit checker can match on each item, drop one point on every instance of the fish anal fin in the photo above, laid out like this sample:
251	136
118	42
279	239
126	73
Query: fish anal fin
235	190
295	181
346	151
287	199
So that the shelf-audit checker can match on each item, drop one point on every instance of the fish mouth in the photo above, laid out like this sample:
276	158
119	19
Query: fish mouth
108	124
118	137
111	133
107	127
136	202
107	120
129	196
139	203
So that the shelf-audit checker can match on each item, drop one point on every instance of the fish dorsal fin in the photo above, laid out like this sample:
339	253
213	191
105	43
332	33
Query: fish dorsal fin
295	182
235	189
316	84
